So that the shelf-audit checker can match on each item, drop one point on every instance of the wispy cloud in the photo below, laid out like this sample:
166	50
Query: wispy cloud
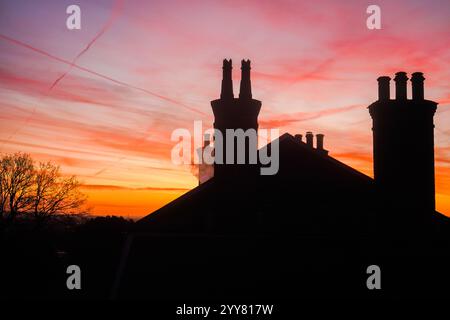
165	98
279	121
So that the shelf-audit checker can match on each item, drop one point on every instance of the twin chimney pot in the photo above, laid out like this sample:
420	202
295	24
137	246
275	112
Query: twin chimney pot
401	79
231	112
310	141
245	91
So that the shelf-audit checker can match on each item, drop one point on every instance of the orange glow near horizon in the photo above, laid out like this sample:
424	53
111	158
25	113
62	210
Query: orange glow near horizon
128	203
103	101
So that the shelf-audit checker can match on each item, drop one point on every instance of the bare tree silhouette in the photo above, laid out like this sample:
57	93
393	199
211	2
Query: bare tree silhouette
54	194
38	191
16	181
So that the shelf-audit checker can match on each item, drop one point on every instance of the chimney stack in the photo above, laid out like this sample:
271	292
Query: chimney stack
384	92
227	82
400	85
319	138
309	139
246	87
404	182
417	86
235	114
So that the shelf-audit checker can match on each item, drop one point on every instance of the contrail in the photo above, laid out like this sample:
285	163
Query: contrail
51	56
115	13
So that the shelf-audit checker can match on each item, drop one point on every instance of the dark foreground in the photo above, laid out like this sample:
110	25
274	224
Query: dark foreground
117	263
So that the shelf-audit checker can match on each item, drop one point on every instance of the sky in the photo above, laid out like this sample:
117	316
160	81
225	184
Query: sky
103	101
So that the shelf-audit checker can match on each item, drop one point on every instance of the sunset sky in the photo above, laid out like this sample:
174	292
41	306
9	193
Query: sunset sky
103	101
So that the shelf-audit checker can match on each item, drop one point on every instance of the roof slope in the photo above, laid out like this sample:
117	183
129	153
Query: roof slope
324	183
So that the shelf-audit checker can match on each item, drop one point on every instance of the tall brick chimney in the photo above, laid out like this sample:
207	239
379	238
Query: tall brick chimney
235	113
403	144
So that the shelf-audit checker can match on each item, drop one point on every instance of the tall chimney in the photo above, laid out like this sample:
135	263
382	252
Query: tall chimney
309	139
232	113
227	82
246	87
400	85
404	168
417	86
319	138
384	92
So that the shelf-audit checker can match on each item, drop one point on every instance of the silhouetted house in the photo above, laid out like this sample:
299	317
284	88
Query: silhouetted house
313	192
242	234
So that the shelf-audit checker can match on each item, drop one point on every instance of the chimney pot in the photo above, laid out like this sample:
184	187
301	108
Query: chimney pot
384	92
309	139
417	79
319	138
298	137
400	85
245	91
227	82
